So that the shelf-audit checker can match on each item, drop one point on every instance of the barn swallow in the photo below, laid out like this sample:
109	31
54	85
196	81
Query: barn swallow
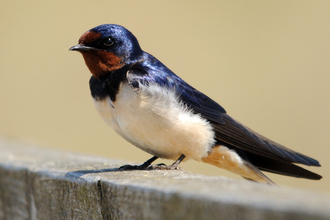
155	110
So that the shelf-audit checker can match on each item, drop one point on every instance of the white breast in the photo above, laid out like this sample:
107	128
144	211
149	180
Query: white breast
152	119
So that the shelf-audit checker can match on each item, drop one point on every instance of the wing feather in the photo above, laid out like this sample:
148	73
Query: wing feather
240	136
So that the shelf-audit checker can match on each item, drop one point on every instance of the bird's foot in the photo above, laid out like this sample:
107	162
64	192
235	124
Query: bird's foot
162	166
143	166
147	165
132	167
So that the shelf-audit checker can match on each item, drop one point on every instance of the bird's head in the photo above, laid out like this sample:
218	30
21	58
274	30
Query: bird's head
107	48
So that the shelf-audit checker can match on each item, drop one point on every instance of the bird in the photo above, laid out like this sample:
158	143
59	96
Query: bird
154	109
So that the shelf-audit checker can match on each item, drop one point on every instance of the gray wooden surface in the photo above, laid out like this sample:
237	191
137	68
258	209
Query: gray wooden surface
37	183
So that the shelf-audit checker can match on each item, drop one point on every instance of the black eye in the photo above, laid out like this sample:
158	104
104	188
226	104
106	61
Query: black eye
108	42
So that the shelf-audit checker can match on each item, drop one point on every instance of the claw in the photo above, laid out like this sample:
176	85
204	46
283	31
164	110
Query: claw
163	167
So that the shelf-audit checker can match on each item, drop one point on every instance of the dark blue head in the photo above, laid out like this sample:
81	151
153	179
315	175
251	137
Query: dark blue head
107	48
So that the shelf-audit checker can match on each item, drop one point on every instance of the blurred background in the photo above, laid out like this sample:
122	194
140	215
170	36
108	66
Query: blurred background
266	62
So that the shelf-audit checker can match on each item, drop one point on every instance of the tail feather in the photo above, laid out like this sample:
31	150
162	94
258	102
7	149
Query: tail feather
228	159
249	165
259	173
281	167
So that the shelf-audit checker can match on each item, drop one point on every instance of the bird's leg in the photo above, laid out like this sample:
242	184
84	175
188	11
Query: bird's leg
143	166
174	166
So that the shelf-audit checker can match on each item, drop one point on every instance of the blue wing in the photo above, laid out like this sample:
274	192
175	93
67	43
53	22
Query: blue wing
153	71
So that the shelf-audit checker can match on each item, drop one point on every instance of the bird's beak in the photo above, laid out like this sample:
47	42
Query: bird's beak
81	47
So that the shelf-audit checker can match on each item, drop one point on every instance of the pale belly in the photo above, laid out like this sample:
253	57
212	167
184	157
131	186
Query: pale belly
153	120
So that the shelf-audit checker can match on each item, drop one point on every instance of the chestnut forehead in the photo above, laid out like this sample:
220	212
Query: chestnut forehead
89	37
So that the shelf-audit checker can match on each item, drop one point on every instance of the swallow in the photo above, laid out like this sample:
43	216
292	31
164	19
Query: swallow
155	110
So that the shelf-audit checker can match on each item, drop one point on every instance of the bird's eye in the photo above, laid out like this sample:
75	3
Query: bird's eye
108	42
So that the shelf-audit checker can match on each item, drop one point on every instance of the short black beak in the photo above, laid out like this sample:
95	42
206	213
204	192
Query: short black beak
81	47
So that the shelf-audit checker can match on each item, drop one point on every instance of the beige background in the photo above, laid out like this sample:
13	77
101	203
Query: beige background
265	62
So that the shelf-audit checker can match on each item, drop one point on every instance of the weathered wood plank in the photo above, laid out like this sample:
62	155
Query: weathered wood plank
37	183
